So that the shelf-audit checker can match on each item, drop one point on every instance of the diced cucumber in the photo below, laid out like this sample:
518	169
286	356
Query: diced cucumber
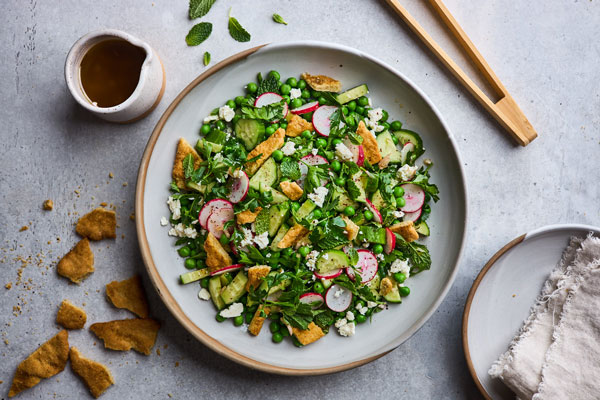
214	147
374	286
405	136
352	94
280	234
265	177
343	201
200	188
278	197
306	208
327	283
361	181
388	148
422	228
371	235
235	289
225	278
277	214
394	295
331	260
380	203
359	219
280	286
250	132
214	287
194	276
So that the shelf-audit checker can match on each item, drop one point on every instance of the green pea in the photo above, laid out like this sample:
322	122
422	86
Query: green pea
306	134
220	125
396	222
351	106
293	82
360	303
270	130
340	181
190	263
301	84
205	129
274	326
304	250
231	103
239	100
286	159
368	215
296	103
193	252
396	125
321	143
285	89
235	119
404	291
322	100
239	320
363	101
360	110
378	249
398	191
400	202
386	126
335	142
275	126
350	120
274	74
399	277
336	165
315	94
288	252
248	316
274	316
384	116
318	287
395	139
204	282
277	337
349	211
286	98
199	264
329	155
224	240
278	155
360	318
308	116
295	206
283	125
284	332
251	87
184	251
219	318
317	213
305	94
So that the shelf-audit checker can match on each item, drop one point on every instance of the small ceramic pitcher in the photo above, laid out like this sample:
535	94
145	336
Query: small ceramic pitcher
146	95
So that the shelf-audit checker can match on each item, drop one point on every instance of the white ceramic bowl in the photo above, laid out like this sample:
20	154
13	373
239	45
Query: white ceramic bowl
388	89
503	294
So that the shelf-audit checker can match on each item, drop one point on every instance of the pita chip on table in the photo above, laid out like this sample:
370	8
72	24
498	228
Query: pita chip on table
129	294
95	375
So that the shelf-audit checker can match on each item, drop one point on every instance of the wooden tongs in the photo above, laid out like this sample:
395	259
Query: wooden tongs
505	111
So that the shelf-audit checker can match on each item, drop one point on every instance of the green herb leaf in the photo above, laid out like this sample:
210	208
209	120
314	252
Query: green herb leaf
353	189
423	181
352	254
324	319
198	34
417	253
261	224
290	169
199	8
268	113
237	31
188	165
206	58
271	84
174	187
279	19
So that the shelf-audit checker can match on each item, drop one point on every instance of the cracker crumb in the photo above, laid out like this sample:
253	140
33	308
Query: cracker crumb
158	351
103	204
23	228
125	184
132	217
176	363
111	175
48	205
8	286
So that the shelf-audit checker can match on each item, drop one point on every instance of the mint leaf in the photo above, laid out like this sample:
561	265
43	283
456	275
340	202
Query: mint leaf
279	19
353	189
206	58
237	31
199	8
269	112
290	169
188	165
271	84
262	221
198	34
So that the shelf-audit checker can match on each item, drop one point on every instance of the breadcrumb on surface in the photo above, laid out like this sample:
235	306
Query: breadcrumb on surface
48	205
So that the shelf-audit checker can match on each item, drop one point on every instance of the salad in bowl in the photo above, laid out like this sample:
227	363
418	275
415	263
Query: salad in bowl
301	205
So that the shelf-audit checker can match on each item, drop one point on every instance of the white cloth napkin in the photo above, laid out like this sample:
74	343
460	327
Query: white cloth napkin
525	368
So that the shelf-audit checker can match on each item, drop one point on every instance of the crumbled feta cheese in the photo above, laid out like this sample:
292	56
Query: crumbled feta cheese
370	102
204	294
362	309
382	306
398	214
211	118
325	256
314	151
341	322
238	173
371	304
375	114
311	259
338	293
407	172
190	232
289	148
164	221
234	310
218	157
181	230
295	93
350	316
380	257
248	237
175	207
400	266
194	222
262	240
226	113
318	197
343	152
347	330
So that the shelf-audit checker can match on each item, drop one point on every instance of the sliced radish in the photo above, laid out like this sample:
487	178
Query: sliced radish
329	275
321	121
269	98
414	196
376	214
358	153
230	268
239	187
209	207
306	108
312	298
338	298
390	241
217	219
413	216
368	265
360	160
233	248
311	159
408	147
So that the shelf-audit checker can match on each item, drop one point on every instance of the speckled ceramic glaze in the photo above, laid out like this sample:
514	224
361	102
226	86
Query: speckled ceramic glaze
146	95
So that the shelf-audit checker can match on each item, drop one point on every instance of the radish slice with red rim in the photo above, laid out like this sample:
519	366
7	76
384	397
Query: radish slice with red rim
311	159
314	299
358	153
321	119
217	219
368	265
414	196
209	207
338	298
376	214
306	108
413	216
230	268
408	147
390	241
269	98
329	275
239	187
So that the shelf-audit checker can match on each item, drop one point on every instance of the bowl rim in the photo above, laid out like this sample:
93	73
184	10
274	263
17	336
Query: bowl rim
167	297
486	268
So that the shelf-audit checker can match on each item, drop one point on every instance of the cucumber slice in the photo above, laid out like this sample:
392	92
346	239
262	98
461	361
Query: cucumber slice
235	289
278	197
215	147
225	279
406	136
214	287
371	235
374	286
277	214
200	188
380	203
343	201
280	234
331	260
352	94
326	283
265	177
281	286
393	296
388	148
194	276
422	228
250	132
306	208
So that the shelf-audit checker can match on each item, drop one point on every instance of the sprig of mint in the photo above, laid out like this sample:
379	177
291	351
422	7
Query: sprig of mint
206	58
199	8
198	34
279	19
236	30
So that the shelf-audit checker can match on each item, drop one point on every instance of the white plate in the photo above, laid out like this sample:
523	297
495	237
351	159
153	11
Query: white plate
503	294
389	89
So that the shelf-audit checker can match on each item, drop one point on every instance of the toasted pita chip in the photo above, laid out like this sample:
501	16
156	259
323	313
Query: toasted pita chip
310	335
48	360
183	149
351	228
264	149
78	263
95	375
369	144
98	224
126	334
129	294
292	236
297	125
216	256
255	275
247	216
406	229
70	316
258	320
291	189
322	83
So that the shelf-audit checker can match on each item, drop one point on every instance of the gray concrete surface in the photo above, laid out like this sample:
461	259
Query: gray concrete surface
545	52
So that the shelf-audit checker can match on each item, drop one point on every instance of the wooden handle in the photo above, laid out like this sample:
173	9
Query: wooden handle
505	111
